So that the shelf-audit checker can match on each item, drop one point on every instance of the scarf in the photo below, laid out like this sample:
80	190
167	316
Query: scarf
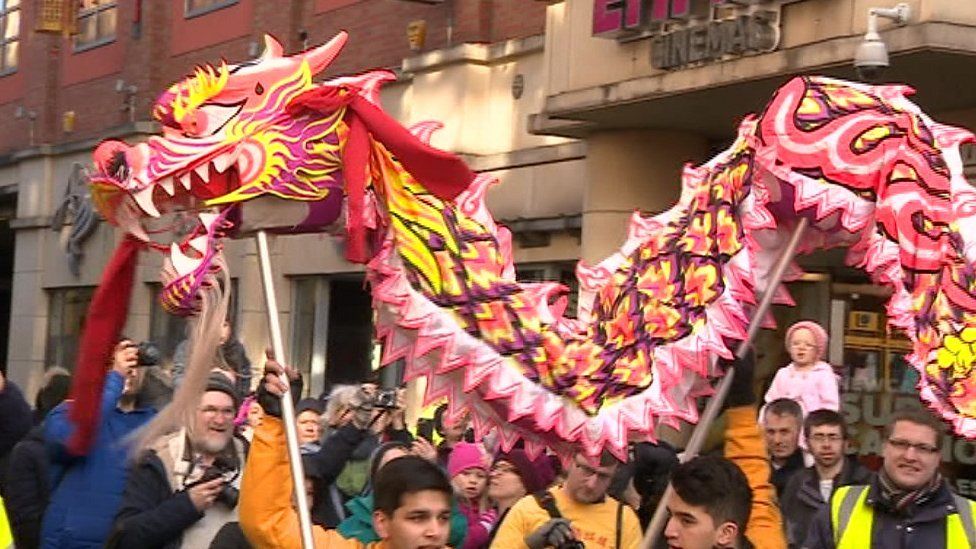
899	499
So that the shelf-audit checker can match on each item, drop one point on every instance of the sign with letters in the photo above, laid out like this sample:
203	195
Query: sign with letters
686	32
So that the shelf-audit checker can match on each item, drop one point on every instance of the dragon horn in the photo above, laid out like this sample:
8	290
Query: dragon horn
272	48
319	58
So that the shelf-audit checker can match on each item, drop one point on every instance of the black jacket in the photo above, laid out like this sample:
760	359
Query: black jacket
780	477
802	498
151	516
922	526
28	489
347	443
16	419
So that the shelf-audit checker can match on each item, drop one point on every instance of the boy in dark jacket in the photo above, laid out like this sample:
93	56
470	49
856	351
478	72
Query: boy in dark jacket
810	489
28	472
15	422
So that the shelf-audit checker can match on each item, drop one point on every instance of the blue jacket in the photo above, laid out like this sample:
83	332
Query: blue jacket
89	491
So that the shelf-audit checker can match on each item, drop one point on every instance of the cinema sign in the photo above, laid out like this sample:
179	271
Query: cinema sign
686	32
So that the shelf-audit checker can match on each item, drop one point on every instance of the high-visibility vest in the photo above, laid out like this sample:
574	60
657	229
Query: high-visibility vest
852	519
6	536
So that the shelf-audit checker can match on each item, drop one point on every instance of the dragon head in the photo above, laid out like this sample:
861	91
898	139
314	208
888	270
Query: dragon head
229	135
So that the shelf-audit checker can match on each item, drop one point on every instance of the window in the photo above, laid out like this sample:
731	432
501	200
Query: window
331	329
168	331
9	34
96	24
562	272
66	320
194	8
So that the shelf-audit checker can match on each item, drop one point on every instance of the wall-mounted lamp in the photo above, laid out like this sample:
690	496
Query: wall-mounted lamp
871	58
129	101
417	34
22	112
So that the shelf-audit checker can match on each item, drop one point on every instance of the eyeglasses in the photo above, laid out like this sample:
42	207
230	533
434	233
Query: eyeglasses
822	437
920	447
213	410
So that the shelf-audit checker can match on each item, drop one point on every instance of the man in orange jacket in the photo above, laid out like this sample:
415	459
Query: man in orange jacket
728	502
412	497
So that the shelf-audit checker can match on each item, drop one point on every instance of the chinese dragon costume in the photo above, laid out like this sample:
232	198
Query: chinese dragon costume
259	143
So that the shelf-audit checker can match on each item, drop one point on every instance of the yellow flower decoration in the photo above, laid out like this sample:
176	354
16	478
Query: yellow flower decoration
958	352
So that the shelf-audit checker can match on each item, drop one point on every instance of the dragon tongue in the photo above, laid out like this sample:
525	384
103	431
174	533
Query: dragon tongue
145	201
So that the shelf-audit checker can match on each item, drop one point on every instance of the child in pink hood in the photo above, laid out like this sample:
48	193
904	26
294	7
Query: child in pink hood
468	469
808	379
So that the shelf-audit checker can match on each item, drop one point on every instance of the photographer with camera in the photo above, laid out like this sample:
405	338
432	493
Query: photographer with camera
184	489
412	496
89	487
575	515
360	418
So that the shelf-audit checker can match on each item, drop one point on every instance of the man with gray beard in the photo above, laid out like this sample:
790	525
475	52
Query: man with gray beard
184	488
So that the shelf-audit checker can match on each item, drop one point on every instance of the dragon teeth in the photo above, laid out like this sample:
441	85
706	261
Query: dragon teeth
207	219
226	160
199	244
145	201
185	180
168	185
203	170
182	264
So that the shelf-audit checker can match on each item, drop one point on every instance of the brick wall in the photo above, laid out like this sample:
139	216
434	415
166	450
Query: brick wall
377	31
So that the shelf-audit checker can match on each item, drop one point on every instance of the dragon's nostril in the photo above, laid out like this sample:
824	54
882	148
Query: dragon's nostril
118	166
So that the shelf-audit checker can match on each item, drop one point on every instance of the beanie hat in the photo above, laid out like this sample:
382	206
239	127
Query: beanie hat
464	456
309	404
819	335
220	382
536	474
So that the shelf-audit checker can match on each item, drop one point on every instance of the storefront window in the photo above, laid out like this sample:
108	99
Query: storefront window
168	331
332	330
67	308
563	272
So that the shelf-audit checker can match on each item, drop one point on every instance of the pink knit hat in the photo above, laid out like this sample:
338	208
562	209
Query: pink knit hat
819	335
464	456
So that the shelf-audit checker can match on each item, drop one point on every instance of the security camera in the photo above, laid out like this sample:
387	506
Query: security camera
871	57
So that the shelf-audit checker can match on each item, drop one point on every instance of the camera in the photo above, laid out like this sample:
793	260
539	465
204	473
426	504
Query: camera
148	354
871	58
221	467
572	544
386	399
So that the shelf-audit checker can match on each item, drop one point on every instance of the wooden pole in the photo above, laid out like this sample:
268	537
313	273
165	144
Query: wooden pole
287	406
715	403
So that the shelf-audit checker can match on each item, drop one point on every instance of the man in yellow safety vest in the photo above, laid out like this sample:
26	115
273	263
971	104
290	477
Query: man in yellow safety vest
907	505
6	536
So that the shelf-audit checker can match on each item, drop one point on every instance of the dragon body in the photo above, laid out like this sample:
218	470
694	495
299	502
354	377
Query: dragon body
863	164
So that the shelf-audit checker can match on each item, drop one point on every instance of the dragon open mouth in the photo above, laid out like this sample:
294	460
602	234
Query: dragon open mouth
171	214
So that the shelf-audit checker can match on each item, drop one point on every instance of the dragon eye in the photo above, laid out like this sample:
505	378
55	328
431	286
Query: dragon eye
210	118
